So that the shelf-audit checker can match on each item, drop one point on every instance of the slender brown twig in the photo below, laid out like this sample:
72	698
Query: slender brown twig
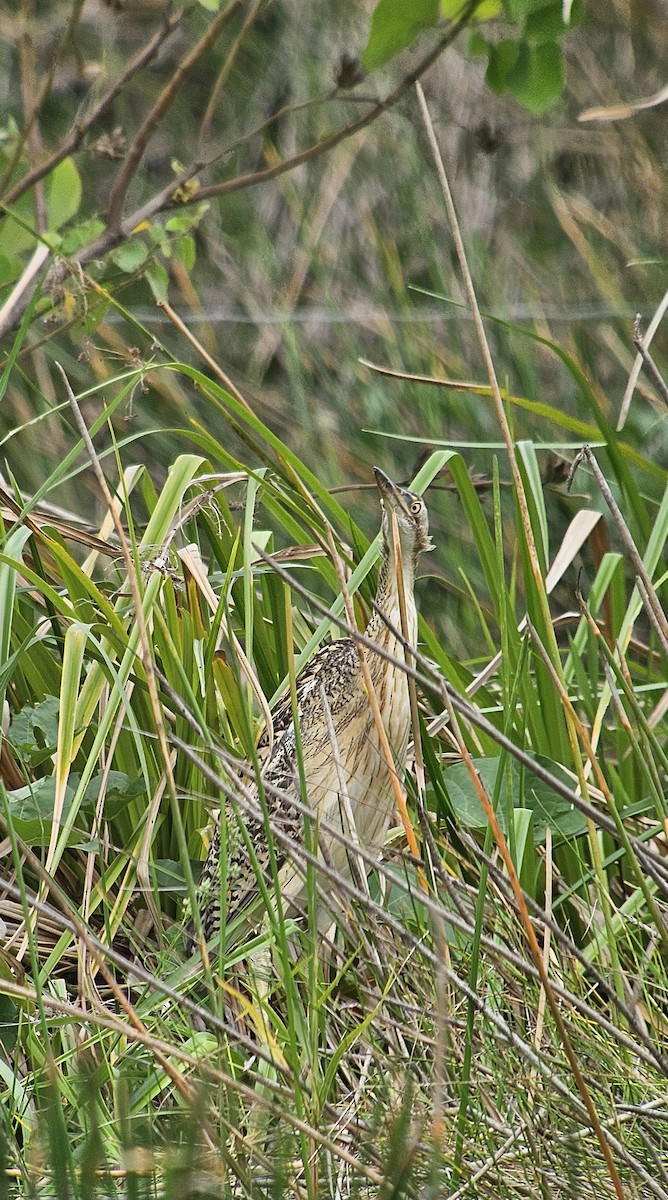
116	233
162	104
648	362
42	94
82	126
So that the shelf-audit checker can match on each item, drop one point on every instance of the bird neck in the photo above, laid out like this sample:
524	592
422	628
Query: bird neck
388	603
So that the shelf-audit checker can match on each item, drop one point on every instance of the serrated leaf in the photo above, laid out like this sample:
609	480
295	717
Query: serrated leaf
63	193
394	25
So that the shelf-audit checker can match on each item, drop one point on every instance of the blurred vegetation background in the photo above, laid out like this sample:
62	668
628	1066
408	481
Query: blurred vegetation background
290	283
205	300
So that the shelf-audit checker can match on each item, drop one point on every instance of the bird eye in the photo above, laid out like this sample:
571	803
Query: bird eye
416	507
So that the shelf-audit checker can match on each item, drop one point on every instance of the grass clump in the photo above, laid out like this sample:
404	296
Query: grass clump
419	1054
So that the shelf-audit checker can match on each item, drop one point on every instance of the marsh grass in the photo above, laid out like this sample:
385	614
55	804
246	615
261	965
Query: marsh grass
415	1054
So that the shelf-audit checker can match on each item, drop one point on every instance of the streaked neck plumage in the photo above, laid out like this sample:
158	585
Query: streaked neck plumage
387	600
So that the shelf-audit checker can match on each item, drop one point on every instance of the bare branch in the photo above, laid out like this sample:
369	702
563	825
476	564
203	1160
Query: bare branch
43	92
162	104
163	199
648	362
80	129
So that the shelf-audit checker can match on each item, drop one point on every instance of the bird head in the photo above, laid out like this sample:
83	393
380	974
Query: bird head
411	513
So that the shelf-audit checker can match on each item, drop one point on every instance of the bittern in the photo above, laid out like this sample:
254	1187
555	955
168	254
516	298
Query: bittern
344	771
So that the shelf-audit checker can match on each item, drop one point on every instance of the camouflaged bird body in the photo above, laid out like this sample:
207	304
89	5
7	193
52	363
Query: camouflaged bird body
333	680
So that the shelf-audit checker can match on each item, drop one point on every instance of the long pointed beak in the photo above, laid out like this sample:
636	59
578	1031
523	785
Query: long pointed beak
388	490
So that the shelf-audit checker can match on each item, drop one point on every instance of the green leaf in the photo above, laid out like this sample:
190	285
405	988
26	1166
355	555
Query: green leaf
63	193
160	237
10	269
519	10
546	25
478	45
34	730
80	235
394	25
158	280
32	809
527	792
482	12
183	222
502	59
537	78
119	791
130	256
184	249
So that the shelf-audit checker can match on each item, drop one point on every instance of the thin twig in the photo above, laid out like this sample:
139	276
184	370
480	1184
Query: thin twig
637	366
204	354
163	199
653	605
162	104
648	362
44	90
81	127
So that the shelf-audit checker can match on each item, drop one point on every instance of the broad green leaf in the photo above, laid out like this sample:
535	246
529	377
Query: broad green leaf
63	193
34	730
394	25
80	235
32	809
502	59
119	791
183	222
528	792
158	280
130	255
545	25
17	232
485	11
537	78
